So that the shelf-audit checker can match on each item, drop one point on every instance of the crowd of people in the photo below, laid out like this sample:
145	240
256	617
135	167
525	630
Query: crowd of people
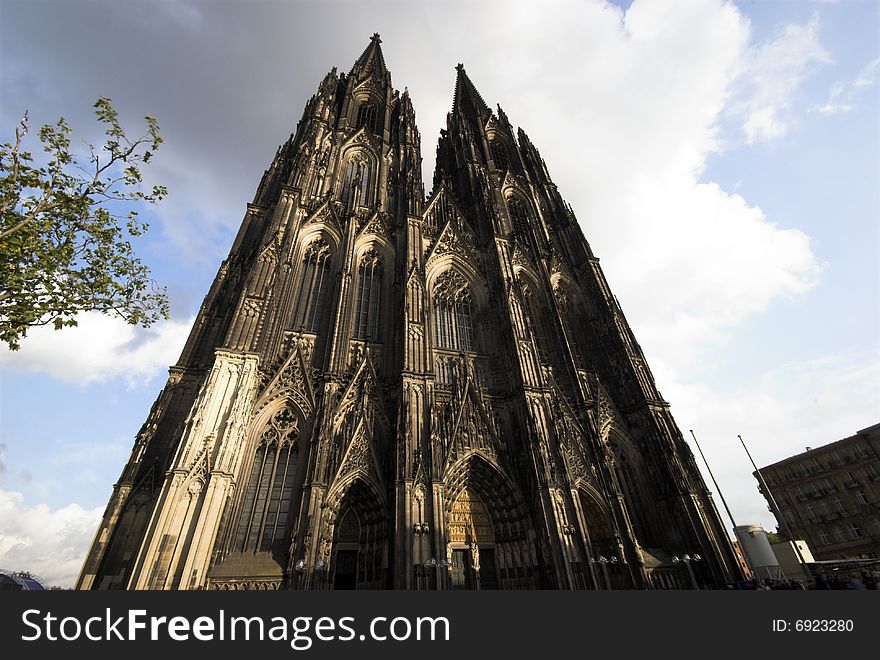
863	581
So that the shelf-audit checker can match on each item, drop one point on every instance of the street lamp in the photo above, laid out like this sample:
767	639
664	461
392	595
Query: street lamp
687	559
603	562
306	571
433	563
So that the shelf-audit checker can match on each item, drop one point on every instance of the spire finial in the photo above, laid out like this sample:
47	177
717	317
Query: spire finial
376	38
459	67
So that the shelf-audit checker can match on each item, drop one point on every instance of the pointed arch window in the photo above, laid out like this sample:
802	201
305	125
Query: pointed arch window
265	509
499	155
357	185
313	288
519	216
452	312
369	293
366	116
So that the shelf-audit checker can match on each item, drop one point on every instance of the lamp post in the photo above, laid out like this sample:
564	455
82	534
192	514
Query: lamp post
777	512
420	530
433	563
307	571
603	562
687	559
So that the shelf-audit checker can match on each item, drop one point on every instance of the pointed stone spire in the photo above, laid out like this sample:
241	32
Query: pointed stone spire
532	158
467	98
371	61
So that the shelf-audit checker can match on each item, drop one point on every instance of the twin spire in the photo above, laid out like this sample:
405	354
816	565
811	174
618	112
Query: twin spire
465	98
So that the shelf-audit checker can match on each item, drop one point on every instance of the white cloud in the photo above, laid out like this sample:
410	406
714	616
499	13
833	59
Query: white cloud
843	97
771	76
626	133
98	349
49	543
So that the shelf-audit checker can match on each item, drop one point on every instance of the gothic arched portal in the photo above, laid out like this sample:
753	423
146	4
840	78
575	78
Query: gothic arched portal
489	540
359	557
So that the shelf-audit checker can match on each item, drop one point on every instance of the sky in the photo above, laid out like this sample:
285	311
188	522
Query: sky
722	158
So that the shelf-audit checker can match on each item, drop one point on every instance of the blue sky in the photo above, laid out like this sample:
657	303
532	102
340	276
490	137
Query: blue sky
723	160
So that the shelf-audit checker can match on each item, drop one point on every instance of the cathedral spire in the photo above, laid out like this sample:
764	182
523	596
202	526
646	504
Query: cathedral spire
467	98
371	61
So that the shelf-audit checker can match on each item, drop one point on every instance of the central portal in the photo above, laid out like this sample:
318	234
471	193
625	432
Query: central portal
471	543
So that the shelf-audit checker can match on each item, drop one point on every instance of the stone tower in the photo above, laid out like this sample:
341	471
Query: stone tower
387	391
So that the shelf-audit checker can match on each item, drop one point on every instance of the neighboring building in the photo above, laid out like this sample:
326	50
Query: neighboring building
830	496
743	561
387	391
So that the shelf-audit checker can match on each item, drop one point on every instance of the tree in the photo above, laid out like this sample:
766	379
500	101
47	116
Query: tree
67	226
776	537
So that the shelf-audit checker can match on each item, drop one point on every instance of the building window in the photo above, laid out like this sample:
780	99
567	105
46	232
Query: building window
366	116
519	216
816	467
861	452
828	486
312	296
499	154
269	490
838	504
369	294
824	536
838	535
872	471
811	513
799	491
803	469
854	531
836	457
861	497
356	187
452	312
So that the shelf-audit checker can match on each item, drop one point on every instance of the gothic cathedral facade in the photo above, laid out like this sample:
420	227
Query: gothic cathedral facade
388	391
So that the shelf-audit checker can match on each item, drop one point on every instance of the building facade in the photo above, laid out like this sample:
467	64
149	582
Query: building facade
830	496
388	390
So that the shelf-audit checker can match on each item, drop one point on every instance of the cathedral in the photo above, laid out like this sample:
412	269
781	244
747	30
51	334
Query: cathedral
388	390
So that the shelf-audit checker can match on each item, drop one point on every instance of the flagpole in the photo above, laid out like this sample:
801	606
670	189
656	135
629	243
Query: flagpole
714	481
776	510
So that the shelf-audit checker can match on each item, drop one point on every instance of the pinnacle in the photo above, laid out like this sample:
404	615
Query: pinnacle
371	60
466	96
